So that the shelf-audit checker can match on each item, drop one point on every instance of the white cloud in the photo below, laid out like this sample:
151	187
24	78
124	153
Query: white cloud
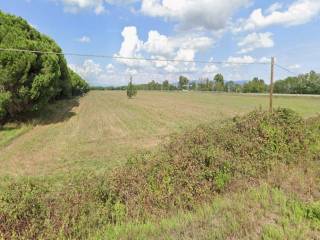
299	12
87	69
210	68
274	7
295	66
84	39
194	14
265	60
256	40
241	60
161	47
98	6
110	68
159	44
74	6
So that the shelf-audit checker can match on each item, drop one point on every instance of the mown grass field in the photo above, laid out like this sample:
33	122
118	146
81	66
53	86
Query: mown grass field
66	173
99	131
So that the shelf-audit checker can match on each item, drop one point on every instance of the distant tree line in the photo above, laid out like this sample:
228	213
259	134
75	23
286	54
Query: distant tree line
29	81
303	84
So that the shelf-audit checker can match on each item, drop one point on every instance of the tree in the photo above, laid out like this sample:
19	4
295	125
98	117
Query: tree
79	86
183	82
131	91
165	85
29	80
231	86
218	82
255	86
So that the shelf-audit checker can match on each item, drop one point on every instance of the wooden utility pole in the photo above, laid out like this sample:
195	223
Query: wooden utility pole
271	85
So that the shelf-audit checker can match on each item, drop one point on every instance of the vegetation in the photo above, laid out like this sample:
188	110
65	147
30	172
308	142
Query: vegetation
304	84
29	80
131	90
183	83
79	86
218	83
255	86
189	169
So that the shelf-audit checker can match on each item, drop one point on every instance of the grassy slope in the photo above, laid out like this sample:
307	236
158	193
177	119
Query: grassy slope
258	213
104	127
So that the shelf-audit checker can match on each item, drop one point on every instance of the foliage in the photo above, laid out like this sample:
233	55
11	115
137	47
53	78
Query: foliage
183	82
29	81
131	90
185	172
79	86
303	84
232	86
255	86
218	82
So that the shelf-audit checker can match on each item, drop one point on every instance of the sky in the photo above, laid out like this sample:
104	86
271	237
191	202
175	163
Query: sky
236	37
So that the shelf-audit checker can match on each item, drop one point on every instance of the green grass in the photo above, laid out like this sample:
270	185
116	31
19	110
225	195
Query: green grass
56	183
258	213
11	131
99	131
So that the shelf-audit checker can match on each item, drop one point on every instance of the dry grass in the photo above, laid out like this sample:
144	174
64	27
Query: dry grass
105	127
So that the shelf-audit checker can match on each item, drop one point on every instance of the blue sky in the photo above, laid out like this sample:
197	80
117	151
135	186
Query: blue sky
234	31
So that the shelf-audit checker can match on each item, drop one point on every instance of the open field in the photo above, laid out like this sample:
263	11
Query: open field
256	177
100	130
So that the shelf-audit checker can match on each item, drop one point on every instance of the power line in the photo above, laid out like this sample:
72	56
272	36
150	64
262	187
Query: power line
286	69
130	58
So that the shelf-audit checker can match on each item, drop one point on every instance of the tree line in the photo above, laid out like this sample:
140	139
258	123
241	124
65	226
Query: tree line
29	81
303	84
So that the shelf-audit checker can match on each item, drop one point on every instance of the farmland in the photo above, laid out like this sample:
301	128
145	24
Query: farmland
80	168
99	131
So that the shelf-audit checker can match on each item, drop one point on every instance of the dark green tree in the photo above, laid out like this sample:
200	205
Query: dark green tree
28	80
131	91
79	86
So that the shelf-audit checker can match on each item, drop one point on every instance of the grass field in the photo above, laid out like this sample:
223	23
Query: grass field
99	131
63	173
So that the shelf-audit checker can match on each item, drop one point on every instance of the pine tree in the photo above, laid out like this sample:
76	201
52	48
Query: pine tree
131	91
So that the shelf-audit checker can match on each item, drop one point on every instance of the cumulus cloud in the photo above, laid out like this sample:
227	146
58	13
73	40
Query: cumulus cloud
87	69
191	14
299	12
161	47
254	41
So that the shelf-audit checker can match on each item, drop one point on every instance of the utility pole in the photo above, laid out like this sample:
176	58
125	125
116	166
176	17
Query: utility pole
271	85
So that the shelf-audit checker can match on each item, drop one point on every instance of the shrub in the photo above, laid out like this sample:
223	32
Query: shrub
194	166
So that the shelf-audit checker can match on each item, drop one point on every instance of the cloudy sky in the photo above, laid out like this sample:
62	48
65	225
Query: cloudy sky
232	32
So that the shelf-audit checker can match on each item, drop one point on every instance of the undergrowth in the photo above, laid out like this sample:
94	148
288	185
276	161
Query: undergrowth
188	170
